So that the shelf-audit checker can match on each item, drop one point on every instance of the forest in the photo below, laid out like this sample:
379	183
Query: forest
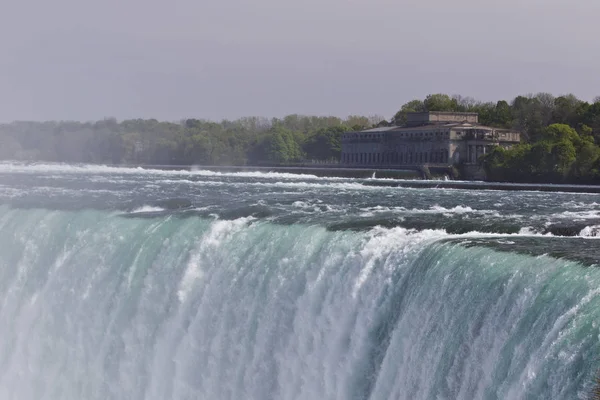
560	138
246	141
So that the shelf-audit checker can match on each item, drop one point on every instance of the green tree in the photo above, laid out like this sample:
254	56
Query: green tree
412	106
325	144
282	147
566	109
588	156
502	115
564	156
528	116
557	132
440	102
542	162
357	122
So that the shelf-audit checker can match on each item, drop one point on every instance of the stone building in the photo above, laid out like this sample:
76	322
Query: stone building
426	138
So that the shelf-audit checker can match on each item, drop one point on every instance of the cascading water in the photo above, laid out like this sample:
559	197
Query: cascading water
100	305
120	283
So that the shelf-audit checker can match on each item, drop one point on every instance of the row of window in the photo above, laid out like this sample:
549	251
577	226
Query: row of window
440	156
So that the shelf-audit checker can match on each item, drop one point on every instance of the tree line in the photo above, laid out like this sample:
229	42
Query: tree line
560	138
245	141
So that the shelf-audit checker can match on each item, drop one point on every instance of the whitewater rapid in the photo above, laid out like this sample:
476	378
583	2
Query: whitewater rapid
101	305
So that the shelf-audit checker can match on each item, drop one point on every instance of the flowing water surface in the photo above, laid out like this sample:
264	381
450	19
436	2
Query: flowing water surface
120	283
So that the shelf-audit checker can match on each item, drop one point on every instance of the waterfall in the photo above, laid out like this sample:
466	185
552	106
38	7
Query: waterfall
96	305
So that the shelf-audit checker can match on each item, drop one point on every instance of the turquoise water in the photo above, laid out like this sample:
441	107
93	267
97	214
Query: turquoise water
106	303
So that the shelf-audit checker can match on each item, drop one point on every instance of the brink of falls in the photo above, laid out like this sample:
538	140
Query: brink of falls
147	284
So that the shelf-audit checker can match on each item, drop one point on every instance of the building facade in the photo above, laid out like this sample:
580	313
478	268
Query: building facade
427	138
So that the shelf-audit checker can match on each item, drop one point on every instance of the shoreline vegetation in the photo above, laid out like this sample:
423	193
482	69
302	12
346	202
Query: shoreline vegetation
560	139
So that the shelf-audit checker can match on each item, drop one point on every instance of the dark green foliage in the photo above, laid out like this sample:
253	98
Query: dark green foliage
560	155
412	106
560	135
326	144
440	102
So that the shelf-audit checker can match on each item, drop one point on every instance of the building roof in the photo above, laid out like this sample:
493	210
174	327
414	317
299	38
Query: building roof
381	129
413	128
465	125
442	113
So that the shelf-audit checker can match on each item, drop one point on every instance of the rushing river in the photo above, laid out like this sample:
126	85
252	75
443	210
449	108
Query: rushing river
121	283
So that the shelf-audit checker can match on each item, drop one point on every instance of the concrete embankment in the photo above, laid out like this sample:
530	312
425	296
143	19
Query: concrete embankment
501	186
320	171
410	178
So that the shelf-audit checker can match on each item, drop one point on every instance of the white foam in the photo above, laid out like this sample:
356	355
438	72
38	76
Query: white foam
285	184
580	204
457	210
436	209
590	231
147	209
15	167
575	215
258	174
61	168
382	240
81	169
220	231
529	231
443	234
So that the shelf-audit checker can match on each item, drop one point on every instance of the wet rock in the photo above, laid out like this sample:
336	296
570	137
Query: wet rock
565	229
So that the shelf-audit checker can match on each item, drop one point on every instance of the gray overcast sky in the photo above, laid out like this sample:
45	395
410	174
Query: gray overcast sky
84	60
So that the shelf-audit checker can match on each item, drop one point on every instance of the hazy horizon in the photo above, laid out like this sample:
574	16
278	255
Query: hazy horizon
230	59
